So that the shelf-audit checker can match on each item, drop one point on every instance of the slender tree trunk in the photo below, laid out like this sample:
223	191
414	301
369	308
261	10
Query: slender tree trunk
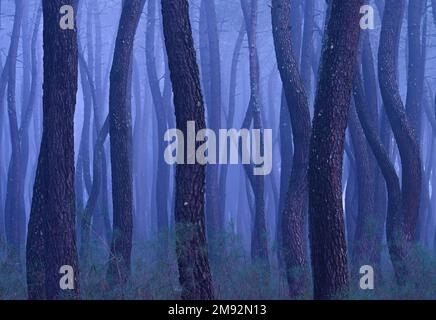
380	193
327	231
259	243
214	208
294	209
231	109
364	240
286	143
120	142
307	52
163	170
415	73
191	247
394	210
403	131
14	206
51	241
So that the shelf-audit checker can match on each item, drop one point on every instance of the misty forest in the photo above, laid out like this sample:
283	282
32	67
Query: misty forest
328	192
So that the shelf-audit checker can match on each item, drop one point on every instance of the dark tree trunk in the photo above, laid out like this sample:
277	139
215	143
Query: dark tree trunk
51	241
120	142
286	143
294	209
191	247
327	231
401	127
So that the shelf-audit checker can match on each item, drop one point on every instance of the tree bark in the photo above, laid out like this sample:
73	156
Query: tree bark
326	224
294	209
191	247
404	133
120	143
51	241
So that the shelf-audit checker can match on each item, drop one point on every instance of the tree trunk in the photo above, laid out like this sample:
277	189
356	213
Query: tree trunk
120	143
259	243
51	241
191	247
326	223
394	210
231	108
214	208
163	170
294	208
307	52
401	127
14	205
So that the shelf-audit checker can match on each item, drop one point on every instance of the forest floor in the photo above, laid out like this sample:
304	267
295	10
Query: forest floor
234	278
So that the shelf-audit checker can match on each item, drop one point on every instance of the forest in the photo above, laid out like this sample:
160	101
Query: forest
217	149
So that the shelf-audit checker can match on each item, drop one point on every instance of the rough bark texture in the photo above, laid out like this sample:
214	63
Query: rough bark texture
51	241
403	131
120	142
191	247
294	208
326	223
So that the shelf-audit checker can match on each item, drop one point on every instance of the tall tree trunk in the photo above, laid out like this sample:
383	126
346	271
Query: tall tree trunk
286	143
120	142
14	206
403	230
364	237
214	209
394	206
294	209
415	73
259	241
380	193
51	241
163	170
327	231
231	109
191	246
